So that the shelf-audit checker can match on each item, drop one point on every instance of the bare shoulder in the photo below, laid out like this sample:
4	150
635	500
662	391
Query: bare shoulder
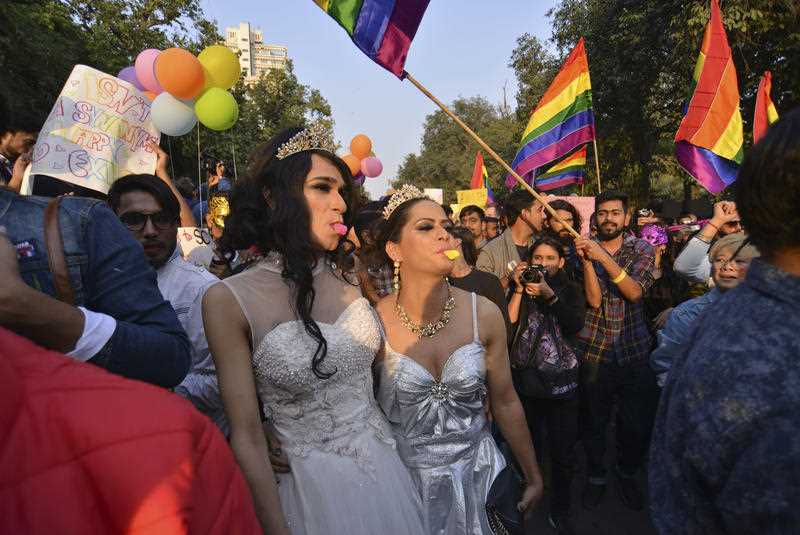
220	299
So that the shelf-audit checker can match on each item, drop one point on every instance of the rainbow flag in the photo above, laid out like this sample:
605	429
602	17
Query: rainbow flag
382	29
570	170
480	177
562	120
709	141
765	113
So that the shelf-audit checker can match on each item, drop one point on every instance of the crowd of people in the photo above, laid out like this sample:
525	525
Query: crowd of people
318	365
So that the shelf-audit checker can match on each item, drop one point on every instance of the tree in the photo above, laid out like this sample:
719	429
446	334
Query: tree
447	153
641	57
43	40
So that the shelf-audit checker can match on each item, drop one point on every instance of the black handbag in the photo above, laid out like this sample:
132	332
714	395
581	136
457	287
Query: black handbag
504	495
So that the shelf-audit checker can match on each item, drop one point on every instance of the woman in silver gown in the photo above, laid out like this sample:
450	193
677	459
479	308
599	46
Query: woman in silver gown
294	333
444	359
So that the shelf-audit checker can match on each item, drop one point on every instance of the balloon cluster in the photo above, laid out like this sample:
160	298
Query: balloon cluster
361	160
185	88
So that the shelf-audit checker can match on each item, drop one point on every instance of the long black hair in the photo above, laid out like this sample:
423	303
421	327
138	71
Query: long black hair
390	229
269	212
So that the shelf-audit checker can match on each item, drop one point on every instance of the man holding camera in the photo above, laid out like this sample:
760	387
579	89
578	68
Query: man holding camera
614	346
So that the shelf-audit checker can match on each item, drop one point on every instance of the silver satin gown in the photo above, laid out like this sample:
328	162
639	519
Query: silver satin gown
443	436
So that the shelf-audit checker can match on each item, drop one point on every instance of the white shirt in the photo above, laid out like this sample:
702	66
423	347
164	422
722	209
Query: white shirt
184	285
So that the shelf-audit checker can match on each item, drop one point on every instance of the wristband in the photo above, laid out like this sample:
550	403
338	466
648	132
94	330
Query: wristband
713	225
619	278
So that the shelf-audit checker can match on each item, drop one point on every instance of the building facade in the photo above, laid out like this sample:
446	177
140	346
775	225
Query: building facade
255	58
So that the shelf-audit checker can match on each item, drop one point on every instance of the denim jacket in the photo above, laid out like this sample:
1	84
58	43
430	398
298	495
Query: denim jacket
109	274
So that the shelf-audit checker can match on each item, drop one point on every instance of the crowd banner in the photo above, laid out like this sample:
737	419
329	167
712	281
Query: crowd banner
436	194
97	132
585	207
478	197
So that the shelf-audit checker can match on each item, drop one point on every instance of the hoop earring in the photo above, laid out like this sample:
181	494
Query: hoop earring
396	279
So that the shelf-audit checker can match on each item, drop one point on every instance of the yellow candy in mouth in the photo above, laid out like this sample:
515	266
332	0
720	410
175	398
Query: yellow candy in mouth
452	254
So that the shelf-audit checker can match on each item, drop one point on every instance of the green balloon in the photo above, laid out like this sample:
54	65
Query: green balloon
217	109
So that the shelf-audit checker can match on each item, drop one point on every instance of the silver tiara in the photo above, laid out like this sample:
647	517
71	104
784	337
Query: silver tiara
315	136
406	192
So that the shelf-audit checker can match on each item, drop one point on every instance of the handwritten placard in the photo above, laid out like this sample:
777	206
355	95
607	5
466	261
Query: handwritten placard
436	194
478	197
97	132
190	238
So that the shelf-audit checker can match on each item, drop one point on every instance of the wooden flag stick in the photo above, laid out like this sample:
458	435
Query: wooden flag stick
597	166
492	153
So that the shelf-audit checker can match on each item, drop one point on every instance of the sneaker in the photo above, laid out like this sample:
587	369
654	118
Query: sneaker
592	495
562	525
629	492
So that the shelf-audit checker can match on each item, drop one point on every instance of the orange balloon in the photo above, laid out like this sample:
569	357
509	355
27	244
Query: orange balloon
353	163
150	95
179	73
360	146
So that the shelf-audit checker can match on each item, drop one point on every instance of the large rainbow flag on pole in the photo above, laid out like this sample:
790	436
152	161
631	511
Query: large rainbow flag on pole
382	29
480	177
709	141
570	170
562	120
765	113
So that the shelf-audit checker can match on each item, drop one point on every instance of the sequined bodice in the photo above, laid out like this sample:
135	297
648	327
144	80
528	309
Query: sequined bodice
435	421
324	414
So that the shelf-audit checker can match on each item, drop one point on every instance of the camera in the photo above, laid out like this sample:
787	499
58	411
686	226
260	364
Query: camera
532	274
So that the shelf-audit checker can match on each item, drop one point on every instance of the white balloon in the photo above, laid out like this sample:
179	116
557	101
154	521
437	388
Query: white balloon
173	116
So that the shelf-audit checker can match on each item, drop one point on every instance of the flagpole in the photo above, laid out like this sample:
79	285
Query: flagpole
597	166
492	153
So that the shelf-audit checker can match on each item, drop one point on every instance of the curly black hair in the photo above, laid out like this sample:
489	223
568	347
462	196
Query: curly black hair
269	211
768	187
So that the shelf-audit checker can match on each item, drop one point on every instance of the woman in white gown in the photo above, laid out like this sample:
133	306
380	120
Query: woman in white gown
445	358
294	332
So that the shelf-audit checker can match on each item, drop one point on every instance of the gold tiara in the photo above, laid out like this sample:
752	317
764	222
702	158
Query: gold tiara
315	136
406	192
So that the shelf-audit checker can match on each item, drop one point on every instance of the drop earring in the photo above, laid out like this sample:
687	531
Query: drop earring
396	279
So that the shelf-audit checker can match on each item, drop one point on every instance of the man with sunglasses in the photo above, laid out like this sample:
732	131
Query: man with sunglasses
149	209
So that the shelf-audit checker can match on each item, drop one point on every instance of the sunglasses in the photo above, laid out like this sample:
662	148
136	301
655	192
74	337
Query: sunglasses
136	221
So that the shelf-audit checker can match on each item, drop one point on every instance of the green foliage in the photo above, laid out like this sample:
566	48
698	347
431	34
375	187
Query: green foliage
641	58
43	40
448	153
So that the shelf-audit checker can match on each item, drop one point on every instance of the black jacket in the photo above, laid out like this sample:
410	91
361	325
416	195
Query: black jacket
569	309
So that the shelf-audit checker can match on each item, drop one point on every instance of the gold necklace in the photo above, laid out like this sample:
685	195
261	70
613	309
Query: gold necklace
432	327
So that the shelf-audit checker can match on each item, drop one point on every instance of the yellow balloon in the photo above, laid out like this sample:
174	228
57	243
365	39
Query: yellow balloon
220	65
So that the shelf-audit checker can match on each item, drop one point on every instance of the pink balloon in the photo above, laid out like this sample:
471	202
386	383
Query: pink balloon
371	166
129	75
145	72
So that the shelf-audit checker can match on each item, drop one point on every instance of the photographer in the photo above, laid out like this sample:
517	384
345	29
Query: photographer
546	309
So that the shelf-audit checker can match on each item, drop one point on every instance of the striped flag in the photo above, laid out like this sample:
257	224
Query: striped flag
570	170
765	113
480	177
709	141
382	29
562	120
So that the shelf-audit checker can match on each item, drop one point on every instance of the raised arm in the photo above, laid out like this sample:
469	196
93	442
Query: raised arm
505	405
187	218
229	340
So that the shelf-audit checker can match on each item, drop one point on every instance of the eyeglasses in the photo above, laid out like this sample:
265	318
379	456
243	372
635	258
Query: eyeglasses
136	221
738	263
